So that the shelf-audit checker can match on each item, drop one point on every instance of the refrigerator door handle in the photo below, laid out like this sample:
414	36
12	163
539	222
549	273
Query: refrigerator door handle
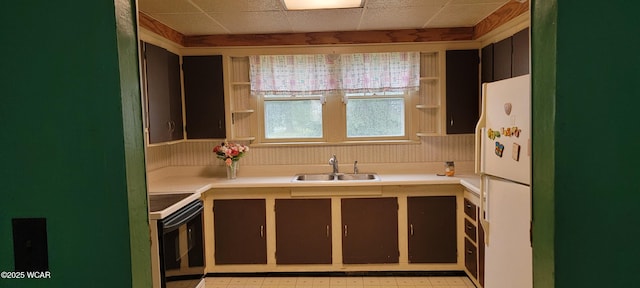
480	132
479	146
483	207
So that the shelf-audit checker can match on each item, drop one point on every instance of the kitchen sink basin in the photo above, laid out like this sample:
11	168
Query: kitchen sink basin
337	177
314	177
363	176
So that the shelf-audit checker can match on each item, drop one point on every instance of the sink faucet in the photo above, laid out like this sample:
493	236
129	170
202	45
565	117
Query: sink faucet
333	161
355	167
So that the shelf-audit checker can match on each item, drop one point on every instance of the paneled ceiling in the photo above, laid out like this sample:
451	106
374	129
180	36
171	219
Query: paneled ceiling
228	17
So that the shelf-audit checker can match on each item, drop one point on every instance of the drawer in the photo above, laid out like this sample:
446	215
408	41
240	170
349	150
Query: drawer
470	229
470	209
471	258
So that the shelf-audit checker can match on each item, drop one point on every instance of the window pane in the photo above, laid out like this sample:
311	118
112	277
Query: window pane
377	117
293	119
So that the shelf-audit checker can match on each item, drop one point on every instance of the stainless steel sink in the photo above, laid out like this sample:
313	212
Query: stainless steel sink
359	176
314	177
337	177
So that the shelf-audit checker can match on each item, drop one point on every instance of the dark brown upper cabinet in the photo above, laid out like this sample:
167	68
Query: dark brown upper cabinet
486	64
502	59
204	97
507	58
303	231
463	90
164	96
520	53
240	231
432	229
370	230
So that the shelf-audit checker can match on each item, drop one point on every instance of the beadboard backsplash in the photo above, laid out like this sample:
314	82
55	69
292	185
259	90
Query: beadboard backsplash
431	149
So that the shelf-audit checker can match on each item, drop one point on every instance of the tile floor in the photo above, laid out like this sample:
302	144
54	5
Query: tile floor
340	282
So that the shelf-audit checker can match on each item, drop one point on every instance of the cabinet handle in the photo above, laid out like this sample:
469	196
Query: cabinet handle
468	227
411	229
451	122
261	231
219	124
327	231
469	252
346	231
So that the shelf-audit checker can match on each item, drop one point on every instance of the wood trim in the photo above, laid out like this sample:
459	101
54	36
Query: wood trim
332	38
501	16
157	27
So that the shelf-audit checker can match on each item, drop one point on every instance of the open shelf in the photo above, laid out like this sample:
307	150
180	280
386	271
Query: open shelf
248	138
421	106
243	111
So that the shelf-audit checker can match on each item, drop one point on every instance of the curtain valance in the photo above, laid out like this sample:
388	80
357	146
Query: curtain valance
326	73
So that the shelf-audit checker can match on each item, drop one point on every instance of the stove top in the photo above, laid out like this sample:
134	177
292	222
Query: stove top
160	202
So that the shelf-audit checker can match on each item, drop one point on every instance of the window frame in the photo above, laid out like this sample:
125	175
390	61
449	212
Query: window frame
262	123
406	96
334	126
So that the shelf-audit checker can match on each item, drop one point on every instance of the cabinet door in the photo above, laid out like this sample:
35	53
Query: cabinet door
162	70
157	71
487	64
240	231
204	97
471	258
303	231
520	54
502	59
175	96
463	91
370	230
481	248
432	229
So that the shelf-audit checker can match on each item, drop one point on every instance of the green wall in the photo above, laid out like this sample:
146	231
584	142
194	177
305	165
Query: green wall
585	59
72	148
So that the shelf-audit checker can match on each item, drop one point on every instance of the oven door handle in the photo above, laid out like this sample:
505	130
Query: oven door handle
182	216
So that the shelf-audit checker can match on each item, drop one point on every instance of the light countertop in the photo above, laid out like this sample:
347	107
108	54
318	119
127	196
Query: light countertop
197	180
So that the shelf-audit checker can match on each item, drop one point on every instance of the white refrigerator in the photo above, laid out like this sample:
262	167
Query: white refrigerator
503	161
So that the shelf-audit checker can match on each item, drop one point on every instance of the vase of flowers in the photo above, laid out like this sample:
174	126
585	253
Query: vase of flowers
230	153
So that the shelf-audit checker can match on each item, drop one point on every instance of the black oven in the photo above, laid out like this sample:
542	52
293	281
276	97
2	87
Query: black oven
181	247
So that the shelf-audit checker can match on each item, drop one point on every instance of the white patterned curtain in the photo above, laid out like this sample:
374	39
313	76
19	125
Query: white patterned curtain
321	73
293	74
379	72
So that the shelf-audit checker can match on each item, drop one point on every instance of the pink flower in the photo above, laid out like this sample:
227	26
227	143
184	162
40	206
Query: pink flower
230	152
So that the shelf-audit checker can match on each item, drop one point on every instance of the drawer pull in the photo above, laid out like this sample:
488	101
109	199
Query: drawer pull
469	227
469	252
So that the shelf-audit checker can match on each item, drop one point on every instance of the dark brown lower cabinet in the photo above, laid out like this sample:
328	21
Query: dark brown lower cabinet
303	231
432	229
370	230
471	257
480	251
240	231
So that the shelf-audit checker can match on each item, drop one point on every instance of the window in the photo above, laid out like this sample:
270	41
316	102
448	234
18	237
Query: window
375	115
292	117
334	98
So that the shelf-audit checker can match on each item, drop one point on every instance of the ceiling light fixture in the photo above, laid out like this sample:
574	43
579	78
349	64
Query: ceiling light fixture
321	4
